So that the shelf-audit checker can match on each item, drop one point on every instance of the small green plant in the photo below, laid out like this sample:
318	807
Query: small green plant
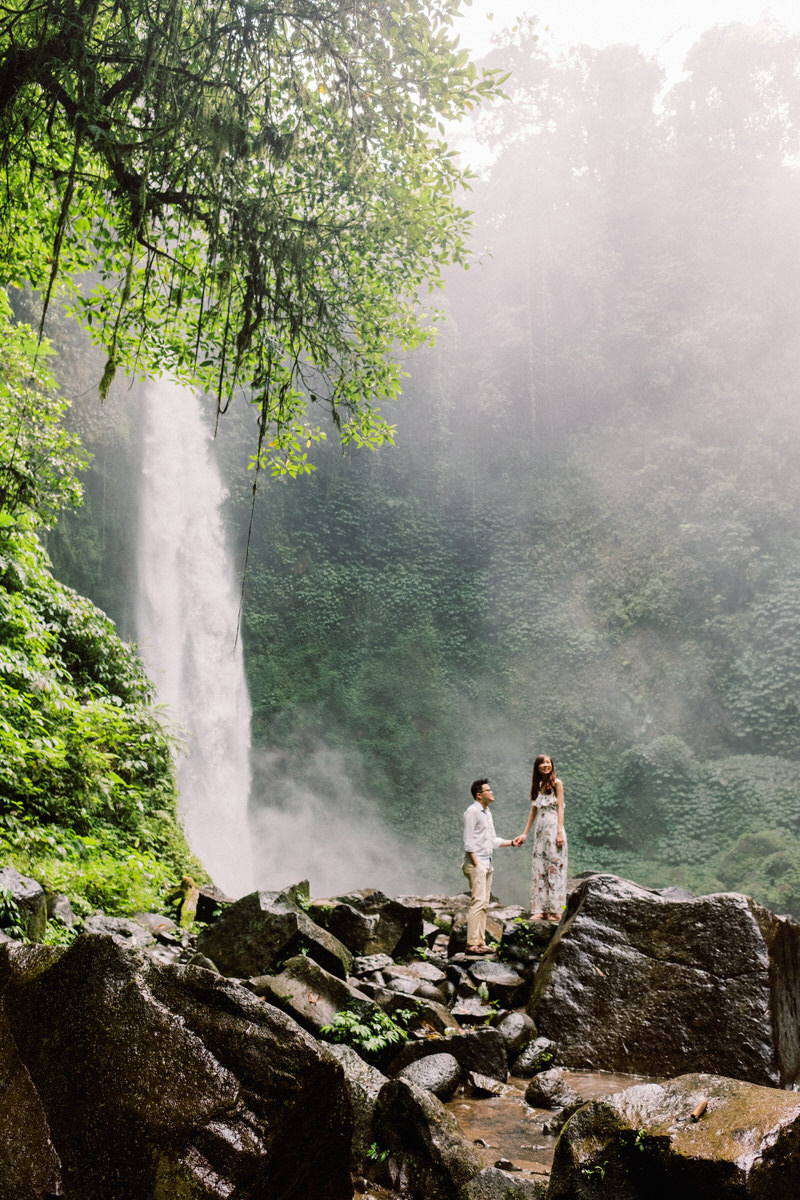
376	1154
644	1141
599	1170
11	918
368	1034
59	935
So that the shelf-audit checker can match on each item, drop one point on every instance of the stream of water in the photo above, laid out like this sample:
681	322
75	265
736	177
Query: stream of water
187	607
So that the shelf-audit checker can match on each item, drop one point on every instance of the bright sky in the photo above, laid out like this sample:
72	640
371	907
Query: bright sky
666	28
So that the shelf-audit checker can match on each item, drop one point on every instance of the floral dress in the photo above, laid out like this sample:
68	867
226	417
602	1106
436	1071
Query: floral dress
549	866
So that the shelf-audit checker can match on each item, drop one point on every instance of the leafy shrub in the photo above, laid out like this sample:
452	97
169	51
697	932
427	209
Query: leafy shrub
368	1035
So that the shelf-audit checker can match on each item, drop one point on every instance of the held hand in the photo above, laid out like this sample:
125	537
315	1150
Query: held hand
519	840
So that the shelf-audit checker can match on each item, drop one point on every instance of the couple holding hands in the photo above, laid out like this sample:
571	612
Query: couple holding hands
549	865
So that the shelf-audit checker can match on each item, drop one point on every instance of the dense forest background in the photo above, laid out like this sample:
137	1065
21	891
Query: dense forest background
585	541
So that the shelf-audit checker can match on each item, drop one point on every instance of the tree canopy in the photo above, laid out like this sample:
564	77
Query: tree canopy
251	194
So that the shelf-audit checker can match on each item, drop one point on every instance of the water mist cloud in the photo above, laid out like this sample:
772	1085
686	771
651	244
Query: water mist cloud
311	821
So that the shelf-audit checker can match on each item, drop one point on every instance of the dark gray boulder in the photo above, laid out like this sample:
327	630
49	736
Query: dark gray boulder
30	1167
28	899
157	1082
124	930
549	1089
363	1082
643	1144
517	1031
469	1009
436	1160
417	978
310	994
368	922
645	982
537	1056
437	1073
501	982
481	1050
255	934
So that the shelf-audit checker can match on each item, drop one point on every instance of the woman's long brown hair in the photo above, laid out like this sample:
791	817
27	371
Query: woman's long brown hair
540	783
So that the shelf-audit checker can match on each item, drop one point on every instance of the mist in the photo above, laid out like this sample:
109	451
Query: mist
310	821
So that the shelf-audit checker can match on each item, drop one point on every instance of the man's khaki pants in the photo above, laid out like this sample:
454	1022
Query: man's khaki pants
480	886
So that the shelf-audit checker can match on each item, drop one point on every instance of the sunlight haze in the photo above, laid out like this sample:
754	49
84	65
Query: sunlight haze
664	29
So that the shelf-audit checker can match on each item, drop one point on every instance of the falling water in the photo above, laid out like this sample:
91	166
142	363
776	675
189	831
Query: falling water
186	615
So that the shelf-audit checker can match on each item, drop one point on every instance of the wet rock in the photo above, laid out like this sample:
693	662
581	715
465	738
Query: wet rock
211	902
642	1144
417	979
537	1056
200	960
59	910
640	981
363	1083
253	935
517	1031
438	1161
158	1082
472	1010
368	965
124	930
501	982
28	897
429	1017
155	923
476	1084
368	922
493	1183
525	942
437	1073
549	1089
29	1164
481	1050
310	994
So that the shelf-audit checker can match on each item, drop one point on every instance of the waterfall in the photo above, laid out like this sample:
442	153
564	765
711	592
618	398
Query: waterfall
187	608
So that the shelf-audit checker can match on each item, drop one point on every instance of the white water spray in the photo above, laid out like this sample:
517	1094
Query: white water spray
186	615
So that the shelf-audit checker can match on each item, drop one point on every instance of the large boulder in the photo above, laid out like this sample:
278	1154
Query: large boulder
437	1073
368	922
646	982
698	1136
311	994
436	1160
29	1164
151	1082
263	929
363	1082
501	982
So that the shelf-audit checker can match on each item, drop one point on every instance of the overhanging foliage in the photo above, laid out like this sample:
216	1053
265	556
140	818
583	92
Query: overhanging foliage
239	193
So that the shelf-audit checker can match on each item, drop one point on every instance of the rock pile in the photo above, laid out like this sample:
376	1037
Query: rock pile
144	1063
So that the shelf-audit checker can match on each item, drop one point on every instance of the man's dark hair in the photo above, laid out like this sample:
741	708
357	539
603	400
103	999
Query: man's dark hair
476	787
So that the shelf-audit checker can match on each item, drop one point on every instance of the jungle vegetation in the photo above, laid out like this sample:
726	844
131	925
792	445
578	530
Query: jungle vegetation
585	539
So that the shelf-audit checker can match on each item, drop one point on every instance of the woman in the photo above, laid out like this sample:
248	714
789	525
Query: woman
549	866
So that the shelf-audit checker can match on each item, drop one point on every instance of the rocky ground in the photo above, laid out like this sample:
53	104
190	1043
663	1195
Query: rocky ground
147	1061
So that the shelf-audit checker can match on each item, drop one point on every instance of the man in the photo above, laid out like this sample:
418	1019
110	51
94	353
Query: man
480	840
